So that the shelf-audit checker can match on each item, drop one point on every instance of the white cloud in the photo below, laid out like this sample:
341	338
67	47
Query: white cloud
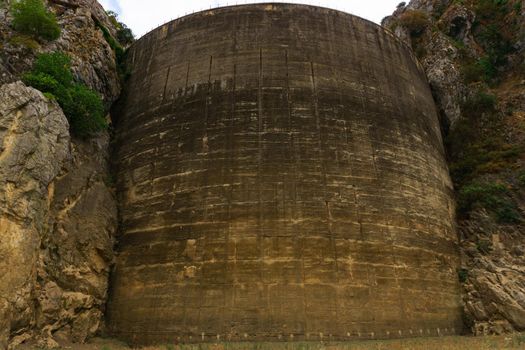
142	16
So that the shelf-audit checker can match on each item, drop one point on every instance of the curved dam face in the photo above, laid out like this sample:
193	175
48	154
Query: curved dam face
281	176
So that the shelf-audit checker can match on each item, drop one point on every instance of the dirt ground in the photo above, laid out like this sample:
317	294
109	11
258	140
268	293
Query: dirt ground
514	341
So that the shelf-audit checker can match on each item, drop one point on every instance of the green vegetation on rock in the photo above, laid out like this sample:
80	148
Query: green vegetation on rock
478	151
124	35
23	40
56	65
120	52
462	275
31	17
415	21
492	196
83	107
85	110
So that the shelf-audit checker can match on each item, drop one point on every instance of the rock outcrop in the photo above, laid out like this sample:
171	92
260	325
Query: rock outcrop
58	213
495	287
57	223
34	141
459	39
93	60
77	253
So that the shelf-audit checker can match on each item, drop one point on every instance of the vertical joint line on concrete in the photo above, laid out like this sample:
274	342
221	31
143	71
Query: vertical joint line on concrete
260	106
373	154
230	134
358	213
259	93
323	167
187	77
316	112
166	85
206	107
290	130
288	104
259	155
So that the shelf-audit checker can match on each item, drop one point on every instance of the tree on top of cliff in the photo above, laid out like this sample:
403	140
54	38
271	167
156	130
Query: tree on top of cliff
31	17
124	35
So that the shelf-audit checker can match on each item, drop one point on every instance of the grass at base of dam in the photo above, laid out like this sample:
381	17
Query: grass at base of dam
509	341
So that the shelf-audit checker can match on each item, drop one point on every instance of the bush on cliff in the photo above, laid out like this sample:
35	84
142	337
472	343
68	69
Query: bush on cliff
32	18
83	107
56	65
120	52
492	196
415	21
85	110
124	35
480	70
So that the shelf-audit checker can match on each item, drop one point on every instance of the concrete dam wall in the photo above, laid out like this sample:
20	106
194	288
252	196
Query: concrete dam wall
281	176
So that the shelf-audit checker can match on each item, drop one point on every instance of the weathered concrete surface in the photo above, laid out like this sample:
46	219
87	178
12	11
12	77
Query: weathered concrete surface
281	176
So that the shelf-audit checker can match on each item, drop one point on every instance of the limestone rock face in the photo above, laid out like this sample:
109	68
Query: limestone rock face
75	264
495	288
58	218
445	77
440	55
59	222
93	60
95	9
34	141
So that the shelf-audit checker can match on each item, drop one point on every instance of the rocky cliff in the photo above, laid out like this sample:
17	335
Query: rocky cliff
472	52
58	215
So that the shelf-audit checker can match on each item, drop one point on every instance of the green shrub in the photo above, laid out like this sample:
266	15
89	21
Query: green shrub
476	144
517	7
83	107
24	41
479	103
491	196
50	96
484	246
42	82
85	111
57	65
117	48
481	70
473	155
124	34
521	179
415	21
32	18
519	339
496	45
462	275
487	9
120	53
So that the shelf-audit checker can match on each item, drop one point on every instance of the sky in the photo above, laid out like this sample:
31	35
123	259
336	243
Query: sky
142	16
